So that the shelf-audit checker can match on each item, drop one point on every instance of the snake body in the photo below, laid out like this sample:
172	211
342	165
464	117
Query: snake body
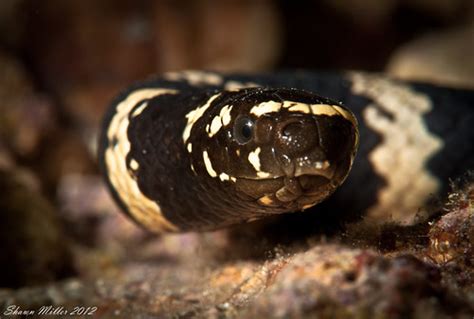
196	151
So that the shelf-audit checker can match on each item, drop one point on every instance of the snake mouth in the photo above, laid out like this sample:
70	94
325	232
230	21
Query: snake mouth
305	187
319	168
298	192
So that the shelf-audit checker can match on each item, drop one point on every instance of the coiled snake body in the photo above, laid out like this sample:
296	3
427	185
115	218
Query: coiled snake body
200	150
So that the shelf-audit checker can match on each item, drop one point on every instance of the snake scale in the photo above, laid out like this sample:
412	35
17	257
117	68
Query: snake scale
197	151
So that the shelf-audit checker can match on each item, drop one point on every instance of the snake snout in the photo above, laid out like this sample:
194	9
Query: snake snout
316	152
338	138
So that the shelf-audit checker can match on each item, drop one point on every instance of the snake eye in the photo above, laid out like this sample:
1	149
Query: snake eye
243	130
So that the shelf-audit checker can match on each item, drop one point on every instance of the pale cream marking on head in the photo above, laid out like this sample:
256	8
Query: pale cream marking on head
254	159
194	115
134	164
140	109
346	114
195	77
226	177
323	109
216	125
208	164
406	145
265	200
146	211
225	114
265	107
189	147
235	86
219	121
192	168
262	174
316	109
300	107
237	152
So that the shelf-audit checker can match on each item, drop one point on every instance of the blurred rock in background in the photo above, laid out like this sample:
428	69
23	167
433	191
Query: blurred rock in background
34	248
444	57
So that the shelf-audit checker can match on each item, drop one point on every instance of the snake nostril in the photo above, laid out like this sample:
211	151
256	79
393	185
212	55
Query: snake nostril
292	129
297	136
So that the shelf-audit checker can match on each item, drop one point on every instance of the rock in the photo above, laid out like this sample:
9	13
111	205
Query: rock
63	154
423	271
225	36
371	12
115	43
328	280
341	283
12	24
441	57
6	159
94	50
33	245
451	237
26	116
89	211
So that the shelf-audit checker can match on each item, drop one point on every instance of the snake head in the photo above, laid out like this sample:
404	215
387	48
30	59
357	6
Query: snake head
285	149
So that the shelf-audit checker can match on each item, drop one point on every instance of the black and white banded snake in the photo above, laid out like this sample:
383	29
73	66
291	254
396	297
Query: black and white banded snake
196	151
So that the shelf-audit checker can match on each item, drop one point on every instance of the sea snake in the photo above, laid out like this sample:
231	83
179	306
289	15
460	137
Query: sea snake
197	151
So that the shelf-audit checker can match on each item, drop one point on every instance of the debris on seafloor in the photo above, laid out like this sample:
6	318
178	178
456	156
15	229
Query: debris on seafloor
180	275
